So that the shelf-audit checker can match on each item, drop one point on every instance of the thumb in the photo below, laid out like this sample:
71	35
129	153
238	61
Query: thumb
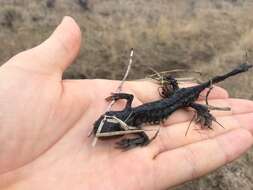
56	53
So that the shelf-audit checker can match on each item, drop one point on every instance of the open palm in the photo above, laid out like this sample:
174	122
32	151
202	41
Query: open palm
45	122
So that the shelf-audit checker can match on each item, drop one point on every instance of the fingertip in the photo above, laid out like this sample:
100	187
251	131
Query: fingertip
67	40
221	92
240	106
71	29
61	48
56	53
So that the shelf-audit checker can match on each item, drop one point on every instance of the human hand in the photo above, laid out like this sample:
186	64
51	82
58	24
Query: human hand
45	122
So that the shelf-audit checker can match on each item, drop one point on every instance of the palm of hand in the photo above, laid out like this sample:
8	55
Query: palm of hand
49	119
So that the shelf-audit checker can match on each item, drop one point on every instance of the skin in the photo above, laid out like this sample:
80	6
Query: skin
45	122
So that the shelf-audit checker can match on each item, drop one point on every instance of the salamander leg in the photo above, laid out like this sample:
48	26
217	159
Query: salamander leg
129	143
119	96
203	116
168	86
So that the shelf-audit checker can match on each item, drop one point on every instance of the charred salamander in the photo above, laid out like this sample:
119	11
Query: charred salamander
131	119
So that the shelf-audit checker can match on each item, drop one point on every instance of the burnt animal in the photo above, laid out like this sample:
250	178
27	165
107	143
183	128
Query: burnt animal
131	119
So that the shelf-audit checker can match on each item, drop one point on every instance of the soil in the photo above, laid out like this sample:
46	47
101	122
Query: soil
211	36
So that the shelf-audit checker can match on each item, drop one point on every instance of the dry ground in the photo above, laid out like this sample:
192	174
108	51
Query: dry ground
206	35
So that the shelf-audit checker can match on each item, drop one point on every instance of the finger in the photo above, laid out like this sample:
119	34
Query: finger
174	137
148	91
238	106
194	160
246	120
56	53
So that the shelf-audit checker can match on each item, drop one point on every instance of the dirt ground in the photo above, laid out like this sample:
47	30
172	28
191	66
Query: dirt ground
207	35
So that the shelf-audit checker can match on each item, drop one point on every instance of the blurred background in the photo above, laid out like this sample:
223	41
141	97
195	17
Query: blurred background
211	36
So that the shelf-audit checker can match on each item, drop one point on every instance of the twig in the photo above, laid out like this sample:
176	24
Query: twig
127	71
